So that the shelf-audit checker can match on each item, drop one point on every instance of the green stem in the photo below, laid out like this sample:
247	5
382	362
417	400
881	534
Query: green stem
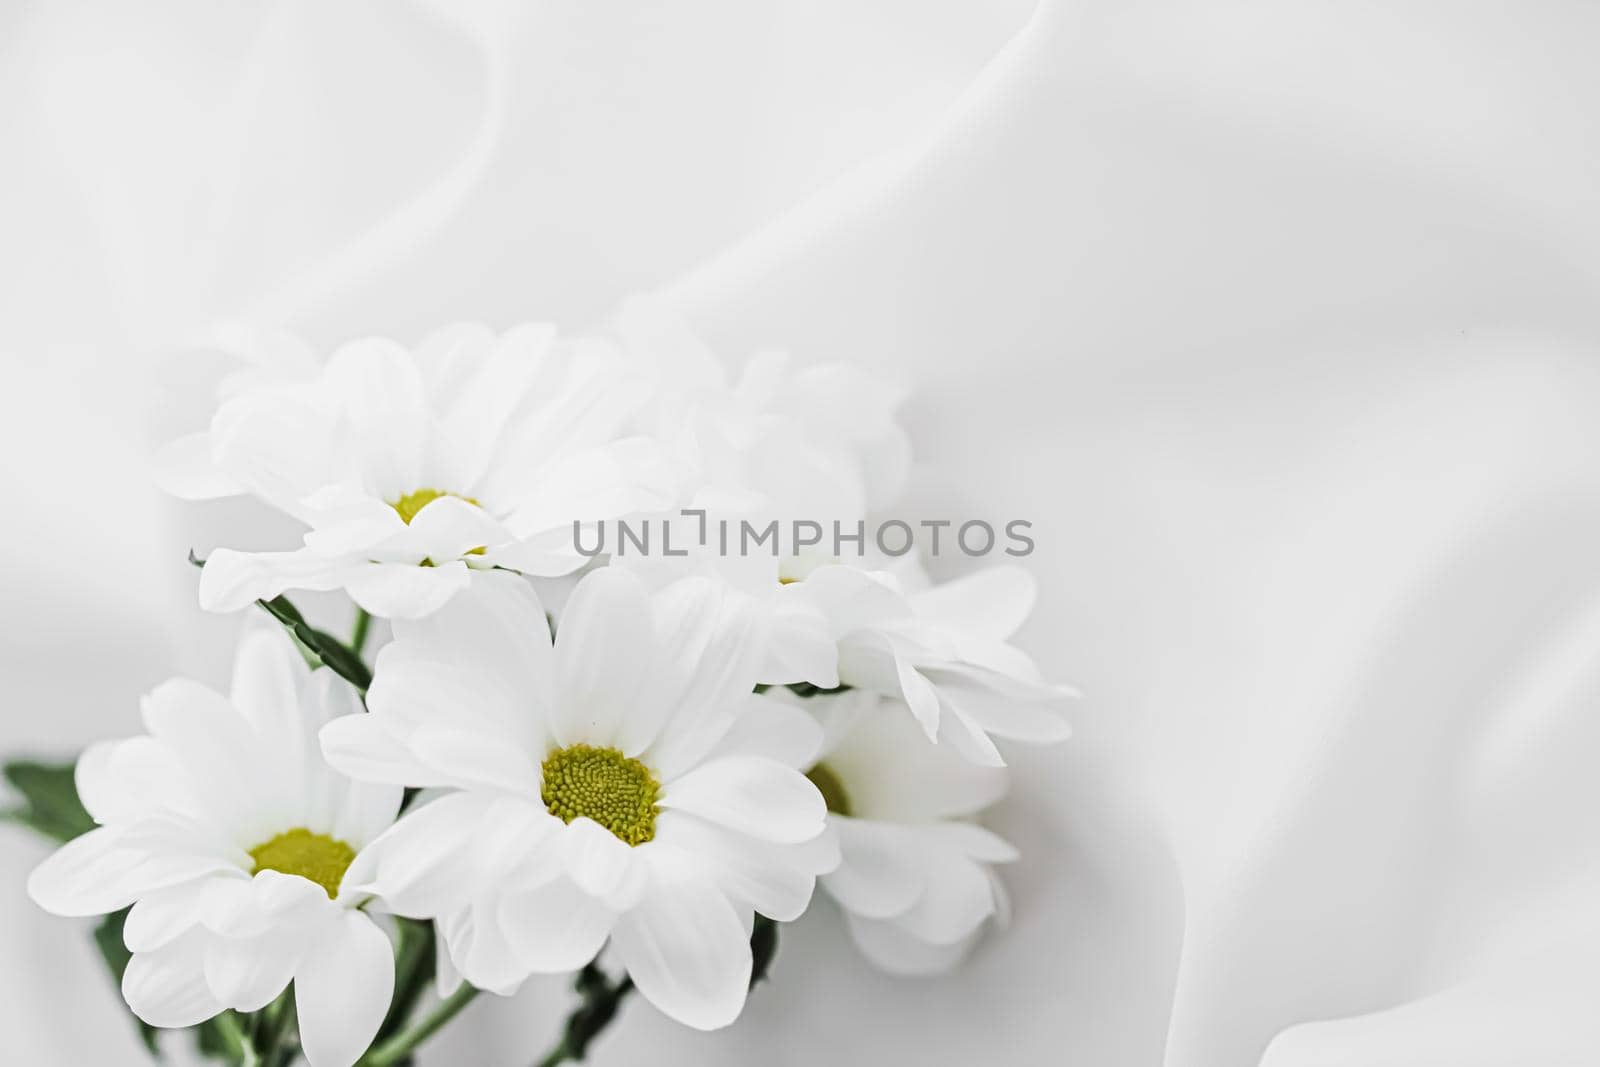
600	997
272	1025
238	1042
398	1047
358	637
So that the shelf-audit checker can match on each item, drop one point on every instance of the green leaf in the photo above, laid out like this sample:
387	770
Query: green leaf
326	648
50	799
220	1038
763	947
806	689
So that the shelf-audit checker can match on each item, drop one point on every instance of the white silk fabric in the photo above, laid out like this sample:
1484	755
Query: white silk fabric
1275	317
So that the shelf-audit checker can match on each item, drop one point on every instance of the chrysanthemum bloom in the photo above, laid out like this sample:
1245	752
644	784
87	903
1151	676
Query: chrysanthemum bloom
944	651
411	467
914	878
231	837
611	786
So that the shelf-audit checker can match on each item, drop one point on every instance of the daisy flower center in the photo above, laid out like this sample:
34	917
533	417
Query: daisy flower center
414	501
582	781
315	857
831	786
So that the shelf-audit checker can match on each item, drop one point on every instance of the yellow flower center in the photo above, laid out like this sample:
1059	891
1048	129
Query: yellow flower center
417	499
315	857
831	786
582	781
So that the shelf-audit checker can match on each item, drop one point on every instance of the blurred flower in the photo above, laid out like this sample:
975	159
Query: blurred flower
943	651
914	876
231	837
608	787
411	467
818	442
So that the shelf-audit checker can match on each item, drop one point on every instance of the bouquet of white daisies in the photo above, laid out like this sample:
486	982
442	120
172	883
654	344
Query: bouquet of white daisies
632	668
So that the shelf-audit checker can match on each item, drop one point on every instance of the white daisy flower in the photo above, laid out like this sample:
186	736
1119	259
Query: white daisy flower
914	879
944	651
608	787
410	468
230	836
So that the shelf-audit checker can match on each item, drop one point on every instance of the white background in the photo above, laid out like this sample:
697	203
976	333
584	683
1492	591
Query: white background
1278	319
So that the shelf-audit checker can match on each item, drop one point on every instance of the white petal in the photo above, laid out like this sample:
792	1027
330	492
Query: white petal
755	796
880	872
990	604
854	599
620	478
957	897
775	880
342	990
920	696
385	413
708	659
365	811
120	781
446	528
892	949
167	987
109	868
415	689
839	714
685	948
495	633
476	382
894	774
405	591
277	442
268	673
772	727
363	747
973	841
556	927
480	949
161	917
232	580
606	643
446	979
416	865
867	660
272	901
247	974
546	555
477	760
960	732
601	864
349	523
1031	712
215	746
801	646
